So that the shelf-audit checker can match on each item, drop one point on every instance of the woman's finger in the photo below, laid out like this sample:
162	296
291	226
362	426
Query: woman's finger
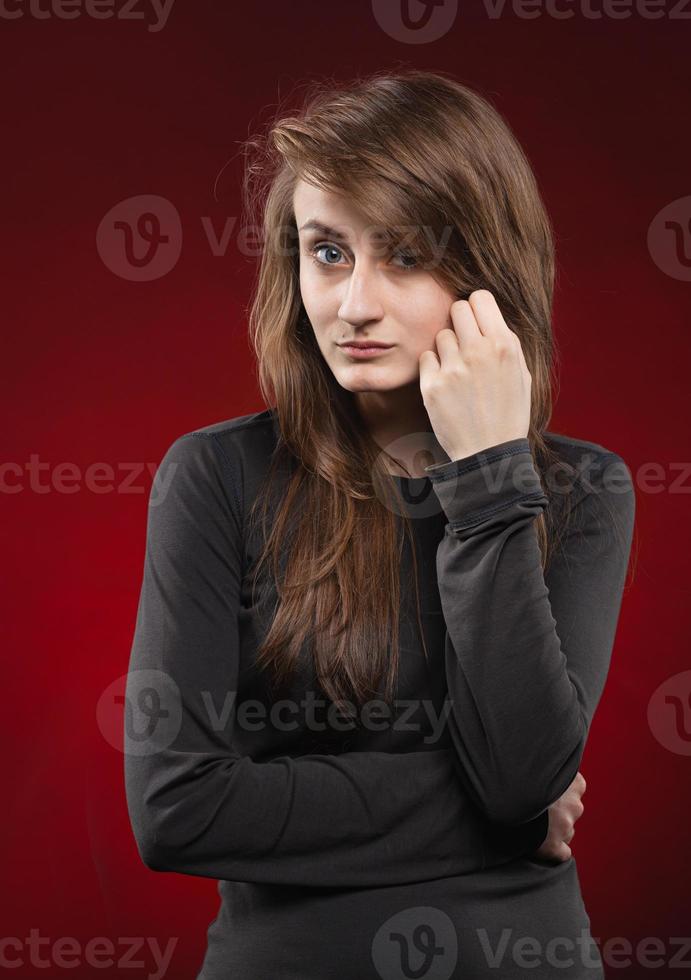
465	324
447	346
487	314
563	851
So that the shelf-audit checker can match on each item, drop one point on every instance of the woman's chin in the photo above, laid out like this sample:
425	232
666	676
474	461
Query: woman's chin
367	378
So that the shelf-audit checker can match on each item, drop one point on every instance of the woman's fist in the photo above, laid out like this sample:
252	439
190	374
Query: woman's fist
476	386
563	814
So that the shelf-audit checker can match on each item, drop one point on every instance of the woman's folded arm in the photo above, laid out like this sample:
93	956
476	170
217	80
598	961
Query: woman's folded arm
197	806
527	652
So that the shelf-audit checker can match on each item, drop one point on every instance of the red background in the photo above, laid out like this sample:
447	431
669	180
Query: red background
104	369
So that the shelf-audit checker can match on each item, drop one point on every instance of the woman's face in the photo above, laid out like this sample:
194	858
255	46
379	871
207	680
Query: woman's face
353	291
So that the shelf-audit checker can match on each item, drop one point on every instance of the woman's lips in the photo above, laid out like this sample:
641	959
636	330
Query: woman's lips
362	353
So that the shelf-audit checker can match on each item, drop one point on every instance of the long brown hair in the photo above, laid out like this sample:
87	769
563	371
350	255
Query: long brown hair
422	152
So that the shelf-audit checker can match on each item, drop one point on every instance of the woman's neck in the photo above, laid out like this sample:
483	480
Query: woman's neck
398	422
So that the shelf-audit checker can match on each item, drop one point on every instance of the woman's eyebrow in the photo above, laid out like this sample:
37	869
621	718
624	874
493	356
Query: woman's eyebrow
314	225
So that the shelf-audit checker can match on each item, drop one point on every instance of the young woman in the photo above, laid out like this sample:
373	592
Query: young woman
377	617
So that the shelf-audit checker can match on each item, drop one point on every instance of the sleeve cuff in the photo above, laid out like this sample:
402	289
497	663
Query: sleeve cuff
472	489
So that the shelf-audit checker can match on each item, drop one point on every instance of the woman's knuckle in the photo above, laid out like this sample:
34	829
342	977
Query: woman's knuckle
502	347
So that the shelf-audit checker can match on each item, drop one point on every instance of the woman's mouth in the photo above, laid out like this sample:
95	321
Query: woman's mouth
361	353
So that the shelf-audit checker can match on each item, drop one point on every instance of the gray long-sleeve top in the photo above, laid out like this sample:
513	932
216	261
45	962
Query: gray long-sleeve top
218	787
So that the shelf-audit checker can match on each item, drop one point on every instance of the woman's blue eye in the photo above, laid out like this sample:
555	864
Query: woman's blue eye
316	249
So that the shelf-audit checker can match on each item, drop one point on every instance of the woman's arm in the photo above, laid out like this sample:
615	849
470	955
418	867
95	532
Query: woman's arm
196	805
527	653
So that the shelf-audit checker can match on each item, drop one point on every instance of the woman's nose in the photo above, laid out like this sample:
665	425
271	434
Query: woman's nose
361	301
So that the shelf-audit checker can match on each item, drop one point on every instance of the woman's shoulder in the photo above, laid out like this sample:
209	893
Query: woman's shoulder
238	427
237	451
241	439
573	448
588	478
586	461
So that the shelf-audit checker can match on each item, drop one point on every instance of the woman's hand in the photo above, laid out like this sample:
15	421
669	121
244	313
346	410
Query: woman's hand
562	815
476	387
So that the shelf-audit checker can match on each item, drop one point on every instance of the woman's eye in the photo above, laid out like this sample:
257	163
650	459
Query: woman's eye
316	249
324	252
407	257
